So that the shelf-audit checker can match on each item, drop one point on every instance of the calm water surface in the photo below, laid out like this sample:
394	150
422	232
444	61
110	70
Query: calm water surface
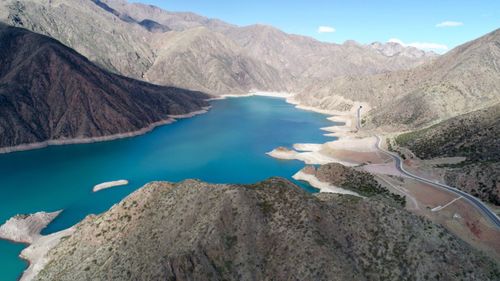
226	145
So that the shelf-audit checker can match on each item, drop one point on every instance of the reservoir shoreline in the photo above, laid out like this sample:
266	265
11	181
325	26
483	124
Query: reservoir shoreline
340	116
39	145
221	154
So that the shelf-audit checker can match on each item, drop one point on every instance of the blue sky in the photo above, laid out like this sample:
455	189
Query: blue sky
411	22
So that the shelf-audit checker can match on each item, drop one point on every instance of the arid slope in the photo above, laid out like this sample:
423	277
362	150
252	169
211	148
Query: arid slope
272	230
50	92
219	58
465	79
475	136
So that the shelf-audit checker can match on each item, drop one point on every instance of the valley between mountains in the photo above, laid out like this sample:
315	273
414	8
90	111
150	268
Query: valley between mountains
405	123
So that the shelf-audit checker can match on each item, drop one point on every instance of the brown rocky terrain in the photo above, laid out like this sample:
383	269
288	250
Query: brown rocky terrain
271	230
100	35
464	79
49	92
207	61
476	136
407	88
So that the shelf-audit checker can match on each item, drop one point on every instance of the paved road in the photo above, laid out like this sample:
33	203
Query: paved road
473	200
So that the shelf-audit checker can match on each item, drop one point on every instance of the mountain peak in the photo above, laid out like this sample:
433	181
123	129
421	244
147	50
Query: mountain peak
391	49
351	43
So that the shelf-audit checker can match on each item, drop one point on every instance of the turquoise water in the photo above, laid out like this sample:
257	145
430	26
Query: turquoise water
227	144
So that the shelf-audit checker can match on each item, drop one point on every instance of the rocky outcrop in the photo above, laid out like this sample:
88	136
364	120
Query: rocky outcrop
26	228
391	49
50	93
271	230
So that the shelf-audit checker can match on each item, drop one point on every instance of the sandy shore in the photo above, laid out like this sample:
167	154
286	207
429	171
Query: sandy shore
36	253
313	156
171	119
318	154
322	186
191	114
346	141
109	184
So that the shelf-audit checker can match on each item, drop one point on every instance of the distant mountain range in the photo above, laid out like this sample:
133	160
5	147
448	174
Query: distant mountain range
194	52
466	78
48	92
200	53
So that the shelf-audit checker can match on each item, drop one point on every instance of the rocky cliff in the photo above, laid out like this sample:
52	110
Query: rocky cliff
271	230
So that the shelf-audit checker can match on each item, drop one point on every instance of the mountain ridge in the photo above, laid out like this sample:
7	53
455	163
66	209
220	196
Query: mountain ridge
102	35
49	92
463	80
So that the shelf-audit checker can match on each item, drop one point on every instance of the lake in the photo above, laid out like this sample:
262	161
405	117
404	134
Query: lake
225	145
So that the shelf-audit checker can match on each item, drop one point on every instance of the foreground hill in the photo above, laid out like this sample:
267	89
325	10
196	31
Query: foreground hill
272	230
475	136
466	78
48	92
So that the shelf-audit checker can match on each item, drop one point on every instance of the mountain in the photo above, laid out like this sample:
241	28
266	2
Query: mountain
140	41
306	58
290	54
178	21
48	92
97	33
207	61
272	230
391	49
475	136
149	25
465	79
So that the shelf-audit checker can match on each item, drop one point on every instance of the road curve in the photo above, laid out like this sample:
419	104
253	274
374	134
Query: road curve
473	200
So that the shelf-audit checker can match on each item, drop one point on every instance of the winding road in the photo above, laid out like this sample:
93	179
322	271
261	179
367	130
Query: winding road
473	200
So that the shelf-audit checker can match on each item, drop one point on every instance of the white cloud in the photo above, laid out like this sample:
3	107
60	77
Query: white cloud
422	45
449	24
326	29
